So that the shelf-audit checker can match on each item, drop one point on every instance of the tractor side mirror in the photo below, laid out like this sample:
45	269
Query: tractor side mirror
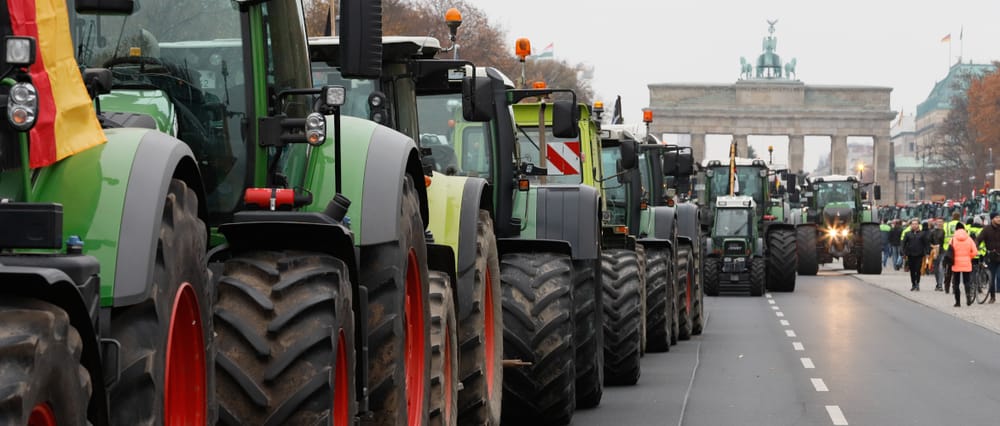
360	38
878	192
685	164
477	99
630	155
669	163
97	80
564	120
105	7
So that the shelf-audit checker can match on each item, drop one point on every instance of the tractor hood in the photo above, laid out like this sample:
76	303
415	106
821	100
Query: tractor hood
838	213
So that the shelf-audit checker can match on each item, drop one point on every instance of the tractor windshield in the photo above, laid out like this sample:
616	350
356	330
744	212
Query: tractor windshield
358	90
563	159
748	182
834	192
732	222
615	194
458	147
180	62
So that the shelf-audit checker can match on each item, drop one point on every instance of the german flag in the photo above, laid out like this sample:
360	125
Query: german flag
67	122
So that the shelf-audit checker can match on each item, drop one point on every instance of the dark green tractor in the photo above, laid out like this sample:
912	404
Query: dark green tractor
735	249
836	224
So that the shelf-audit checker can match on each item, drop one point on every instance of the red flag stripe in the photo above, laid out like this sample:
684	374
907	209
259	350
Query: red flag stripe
24	23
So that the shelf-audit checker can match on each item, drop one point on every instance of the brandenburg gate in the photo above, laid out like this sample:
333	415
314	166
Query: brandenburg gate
767	100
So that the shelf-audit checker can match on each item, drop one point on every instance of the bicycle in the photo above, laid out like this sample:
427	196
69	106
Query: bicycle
980	281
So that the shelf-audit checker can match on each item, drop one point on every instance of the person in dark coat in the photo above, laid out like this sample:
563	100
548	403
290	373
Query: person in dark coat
894	240
915	246
991	236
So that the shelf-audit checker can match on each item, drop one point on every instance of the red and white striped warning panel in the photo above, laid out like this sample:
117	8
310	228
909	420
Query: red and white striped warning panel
563	158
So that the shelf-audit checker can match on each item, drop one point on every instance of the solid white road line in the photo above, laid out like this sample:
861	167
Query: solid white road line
819	385
798	346
790	333
779	314
784	323
807	363
836	415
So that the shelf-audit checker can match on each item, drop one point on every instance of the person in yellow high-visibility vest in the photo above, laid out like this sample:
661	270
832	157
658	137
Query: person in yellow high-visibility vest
949	231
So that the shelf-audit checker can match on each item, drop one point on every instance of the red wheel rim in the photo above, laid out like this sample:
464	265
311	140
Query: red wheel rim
687	295
415	361
185	395
42	415
341	393
490	333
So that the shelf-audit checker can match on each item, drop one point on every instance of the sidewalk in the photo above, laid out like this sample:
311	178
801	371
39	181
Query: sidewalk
986	315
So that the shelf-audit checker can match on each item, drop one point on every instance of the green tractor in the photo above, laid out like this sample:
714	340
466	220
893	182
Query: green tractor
422	99
320	307
837	224
773	216
735	247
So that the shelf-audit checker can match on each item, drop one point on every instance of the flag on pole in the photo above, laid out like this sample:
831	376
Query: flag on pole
946	38
66	122
961	32
547	53
616	116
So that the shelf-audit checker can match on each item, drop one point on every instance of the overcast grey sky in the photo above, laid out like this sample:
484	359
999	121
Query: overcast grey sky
632	43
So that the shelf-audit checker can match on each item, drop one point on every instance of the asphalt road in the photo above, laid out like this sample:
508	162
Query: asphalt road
837	351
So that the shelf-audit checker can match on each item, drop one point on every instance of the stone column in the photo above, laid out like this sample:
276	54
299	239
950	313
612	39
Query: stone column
883	156
796	152
698	147
741	146
838	155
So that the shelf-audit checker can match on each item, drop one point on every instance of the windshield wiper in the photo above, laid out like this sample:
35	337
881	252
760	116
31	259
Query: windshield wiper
532	141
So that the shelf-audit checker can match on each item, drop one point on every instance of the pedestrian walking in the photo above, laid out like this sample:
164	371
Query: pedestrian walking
991	236
915	247
936	238
895	238
886	248
949	230
963	250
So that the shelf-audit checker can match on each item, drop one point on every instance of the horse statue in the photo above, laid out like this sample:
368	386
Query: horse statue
746	70
790	69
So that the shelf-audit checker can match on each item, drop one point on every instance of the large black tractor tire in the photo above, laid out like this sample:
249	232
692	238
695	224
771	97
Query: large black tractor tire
399	320
758	276
805	241
480	335
640	252
685	291
180	305
538	329
713	267
698	299
285	327
40	370
622	317
659	308
444	352
870	256
588	332
851	259
781	260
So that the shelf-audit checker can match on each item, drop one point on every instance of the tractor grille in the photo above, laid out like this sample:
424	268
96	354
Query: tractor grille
735	248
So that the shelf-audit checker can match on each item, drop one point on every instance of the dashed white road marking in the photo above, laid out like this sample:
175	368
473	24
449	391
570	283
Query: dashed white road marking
771	301
836	415
790	333
769	295
807	363
784	323
819	385
779	314
798	346
775	308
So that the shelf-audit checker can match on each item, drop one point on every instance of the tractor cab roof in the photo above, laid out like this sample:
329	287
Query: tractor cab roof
741	201
832	178
394	48
739	162
616	134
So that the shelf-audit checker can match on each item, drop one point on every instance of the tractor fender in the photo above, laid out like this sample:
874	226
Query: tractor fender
291	230
709	247
664	222
517	245
654	243
688	220
158	159
375	160
441	257
80	301
759	247
569	213
456	200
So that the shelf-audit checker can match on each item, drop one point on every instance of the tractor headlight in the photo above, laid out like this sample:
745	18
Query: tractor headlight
22	106
845	232
20	51
832	233
315	129
335	95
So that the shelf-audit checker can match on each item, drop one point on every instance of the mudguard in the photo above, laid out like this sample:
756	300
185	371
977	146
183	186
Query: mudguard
665	222
454	203
79	300
569	213
688	219
118	214
441	257
375	161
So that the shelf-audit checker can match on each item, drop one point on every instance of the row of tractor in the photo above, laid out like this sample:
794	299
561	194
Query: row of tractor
211	218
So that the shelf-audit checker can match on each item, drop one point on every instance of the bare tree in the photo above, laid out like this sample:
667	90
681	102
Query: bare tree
956	155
